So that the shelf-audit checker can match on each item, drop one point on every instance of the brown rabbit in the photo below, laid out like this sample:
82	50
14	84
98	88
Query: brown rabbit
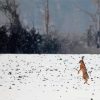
84	70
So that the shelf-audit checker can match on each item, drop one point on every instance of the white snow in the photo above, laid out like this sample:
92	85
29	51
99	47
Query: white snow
48	77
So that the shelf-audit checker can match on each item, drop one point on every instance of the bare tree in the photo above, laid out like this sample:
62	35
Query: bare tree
91	15
9	8
97	2
95	17
47	16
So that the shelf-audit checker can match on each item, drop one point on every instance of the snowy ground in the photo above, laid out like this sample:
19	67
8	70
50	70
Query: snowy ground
48	77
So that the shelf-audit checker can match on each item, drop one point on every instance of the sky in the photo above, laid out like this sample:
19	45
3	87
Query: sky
64	14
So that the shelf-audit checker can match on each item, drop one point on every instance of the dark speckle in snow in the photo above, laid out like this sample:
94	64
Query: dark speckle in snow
9	73
10	87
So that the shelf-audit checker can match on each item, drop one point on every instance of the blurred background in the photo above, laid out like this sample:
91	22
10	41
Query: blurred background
50	26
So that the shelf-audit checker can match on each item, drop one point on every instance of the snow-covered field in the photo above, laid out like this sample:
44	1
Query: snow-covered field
48	77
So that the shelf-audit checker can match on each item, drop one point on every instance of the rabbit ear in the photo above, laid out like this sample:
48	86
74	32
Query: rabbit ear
82	57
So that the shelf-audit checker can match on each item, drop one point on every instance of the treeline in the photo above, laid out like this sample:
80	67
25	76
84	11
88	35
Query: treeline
21	40
15	38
